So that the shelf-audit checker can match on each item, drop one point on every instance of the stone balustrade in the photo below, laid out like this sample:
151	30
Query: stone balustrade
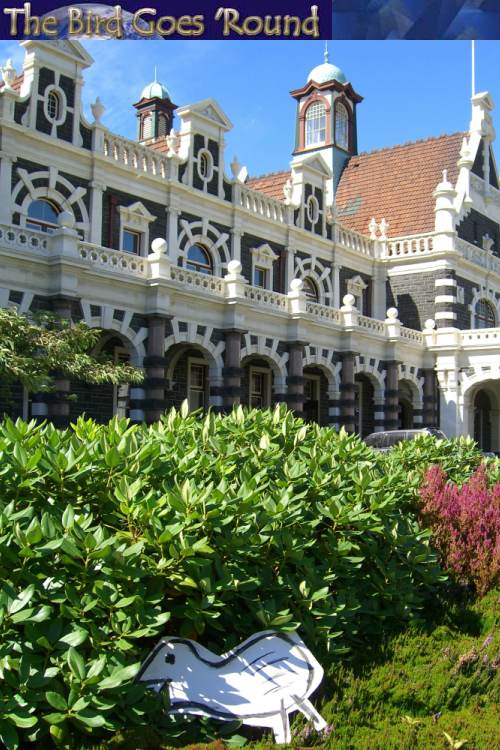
112	260
408	246
19	238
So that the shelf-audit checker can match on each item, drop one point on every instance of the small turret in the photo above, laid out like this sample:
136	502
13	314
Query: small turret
155	111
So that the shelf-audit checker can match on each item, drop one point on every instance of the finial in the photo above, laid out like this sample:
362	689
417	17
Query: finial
445	175
326	51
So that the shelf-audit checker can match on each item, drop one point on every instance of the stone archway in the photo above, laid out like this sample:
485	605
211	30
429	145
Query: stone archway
482	414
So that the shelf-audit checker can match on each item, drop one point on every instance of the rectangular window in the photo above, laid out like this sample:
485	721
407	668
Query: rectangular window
197	384
260	277
260	389
131	242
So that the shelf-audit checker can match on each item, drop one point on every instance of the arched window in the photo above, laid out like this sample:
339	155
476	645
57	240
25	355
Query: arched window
315	124
198	259
53	105
310	289
147	126
162	125
484	315
341	126
42	215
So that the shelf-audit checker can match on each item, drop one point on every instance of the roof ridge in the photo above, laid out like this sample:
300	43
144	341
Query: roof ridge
268	174
411	143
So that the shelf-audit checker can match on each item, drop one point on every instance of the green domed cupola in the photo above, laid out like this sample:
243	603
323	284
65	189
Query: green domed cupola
155	111
326	72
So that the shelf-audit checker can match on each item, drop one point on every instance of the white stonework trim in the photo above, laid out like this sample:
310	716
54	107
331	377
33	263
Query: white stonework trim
263	257
136	218
329	368
277	361
320	273
203	233
132	339
416	385
52	177
373	374
445	298
445	282
445	316
489	296
213	352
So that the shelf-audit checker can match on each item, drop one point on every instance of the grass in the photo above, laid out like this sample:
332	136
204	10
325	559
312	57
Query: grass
426	689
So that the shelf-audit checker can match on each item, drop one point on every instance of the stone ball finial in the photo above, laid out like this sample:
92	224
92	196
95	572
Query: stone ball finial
66	220
159	246
234	267
296	285
429	324
392	313
348	300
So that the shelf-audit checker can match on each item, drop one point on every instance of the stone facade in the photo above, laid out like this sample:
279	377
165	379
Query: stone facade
227	289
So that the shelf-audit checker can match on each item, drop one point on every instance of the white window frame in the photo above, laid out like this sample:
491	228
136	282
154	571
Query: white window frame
63	104
317	130
267	385
356	286
197	361
136	218
263	257
345	144
316	379
312	209
205	153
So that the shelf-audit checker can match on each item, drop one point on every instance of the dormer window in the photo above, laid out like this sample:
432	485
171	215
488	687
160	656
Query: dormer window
341	126
315	124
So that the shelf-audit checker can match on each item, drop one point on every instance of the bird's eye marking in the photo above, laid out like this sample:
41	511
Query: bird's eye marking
170	659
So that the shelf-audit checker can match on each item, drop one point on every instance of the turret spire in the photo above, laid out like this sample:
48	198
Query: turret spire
326	52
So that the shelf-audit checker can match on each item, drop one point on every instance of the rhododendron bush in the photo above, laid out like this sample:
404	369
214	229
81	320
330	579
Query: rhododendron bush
465	523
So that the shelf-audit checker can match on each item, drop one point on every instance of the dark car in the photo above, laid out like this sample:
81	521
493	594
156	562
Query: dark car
383	441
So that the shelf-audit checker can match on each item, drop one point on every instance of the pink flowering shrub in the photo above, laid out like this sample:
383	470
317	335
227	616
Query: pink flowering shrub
465	525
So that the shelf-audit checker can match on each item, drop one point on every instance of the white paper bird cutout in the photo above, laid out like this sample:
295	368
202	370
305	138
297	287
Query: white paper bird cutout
260	682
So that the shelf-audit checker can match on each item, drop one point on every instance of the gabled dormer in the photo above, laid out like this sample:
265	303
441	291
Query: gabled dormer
202	132
51	88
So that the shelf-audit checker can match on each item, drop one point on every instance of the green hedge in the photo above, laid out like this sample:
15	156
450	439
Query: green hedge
212	527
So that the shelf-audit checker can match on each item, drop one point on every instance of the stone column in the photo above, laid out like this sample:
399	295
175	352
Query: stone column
391	394
96	191
295	379
347	397
154	363
6	162
336	285
430	399
58	404
232	372
172	233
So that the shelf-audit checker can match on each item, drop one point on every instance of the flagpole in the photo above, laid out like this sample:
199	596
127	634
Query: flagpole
473	51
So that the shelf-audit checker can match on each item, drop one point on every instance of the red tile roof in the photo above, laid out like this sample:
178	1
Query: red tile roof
269	184
397	184
393	183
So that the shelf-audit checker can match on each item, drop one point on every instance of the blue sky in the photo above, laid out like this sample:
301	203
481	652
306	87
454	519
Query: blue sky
412	89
